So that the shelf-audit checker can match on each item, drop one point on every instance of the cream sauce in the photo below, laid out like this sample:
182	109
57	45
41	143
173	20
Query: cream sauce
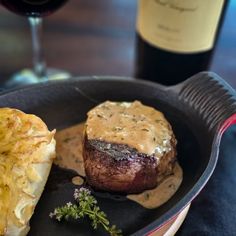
69	148
139	126
77	180
162	193
69	155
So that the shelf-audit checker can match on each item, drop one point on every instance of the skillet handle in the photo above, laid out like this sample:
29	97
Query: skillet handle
213	99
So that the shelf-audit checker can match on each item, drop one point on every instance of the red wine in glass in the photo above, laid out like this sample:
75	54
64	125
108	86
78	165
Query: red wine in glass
35	10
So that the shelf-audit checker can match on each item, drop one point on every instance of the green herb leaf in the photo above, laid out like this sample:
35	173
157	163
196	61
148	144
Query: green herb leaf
86	206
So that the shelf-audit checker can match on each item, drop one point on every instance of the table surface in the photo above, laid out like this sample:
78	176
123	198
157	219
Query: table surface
95	38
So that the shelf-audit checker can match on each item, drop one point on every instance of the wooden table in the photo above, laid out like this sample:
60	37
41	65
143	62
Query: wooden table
88	37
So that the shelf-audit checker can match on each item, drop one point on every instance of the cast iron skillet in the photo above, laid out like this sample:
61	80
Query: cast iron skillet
199	110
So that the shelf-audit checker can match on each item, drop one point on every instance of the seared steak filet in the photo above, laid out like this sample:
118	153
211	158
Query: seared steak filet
112	164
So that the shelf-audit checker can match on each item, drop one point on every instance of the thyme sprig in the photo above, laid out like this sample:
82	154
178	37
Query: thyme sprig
86	206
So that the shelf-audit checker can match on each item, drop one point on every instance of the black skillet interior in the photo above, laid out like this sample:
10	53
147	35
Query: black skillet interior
65	103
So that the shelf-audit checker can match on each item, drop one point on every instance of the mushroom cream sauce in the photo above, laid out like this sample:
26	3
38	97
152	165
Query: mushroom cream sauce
69	154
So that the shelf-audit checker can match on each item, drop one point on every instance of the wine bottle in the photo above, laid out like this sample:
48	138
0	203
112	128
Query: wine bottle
176	38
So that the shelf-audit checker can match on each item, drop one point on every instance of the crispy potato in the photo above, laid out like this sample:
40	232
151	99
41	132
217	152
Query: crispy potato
27	149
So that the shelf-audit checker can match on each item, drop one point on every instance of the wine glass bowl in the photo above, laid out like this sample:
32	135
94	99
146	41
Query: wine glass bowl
33	8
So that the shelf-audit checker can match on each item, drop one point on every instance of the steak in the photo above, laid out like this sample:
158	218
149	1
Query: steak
117	166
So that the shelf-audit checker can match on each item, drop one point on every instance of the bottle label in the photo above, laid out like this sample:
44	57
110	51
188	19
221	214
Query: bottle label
179	25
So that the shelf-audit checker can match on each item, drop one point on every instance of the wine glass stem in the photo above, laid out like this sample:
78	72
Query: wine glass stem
36	32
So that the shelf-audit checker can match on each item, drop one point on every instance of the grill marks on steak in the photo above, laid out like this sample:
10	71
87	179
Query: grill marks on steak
120	168
115	151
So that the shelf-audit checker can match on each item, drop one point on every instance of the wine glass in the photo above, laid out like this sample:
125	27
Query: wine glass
35	10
